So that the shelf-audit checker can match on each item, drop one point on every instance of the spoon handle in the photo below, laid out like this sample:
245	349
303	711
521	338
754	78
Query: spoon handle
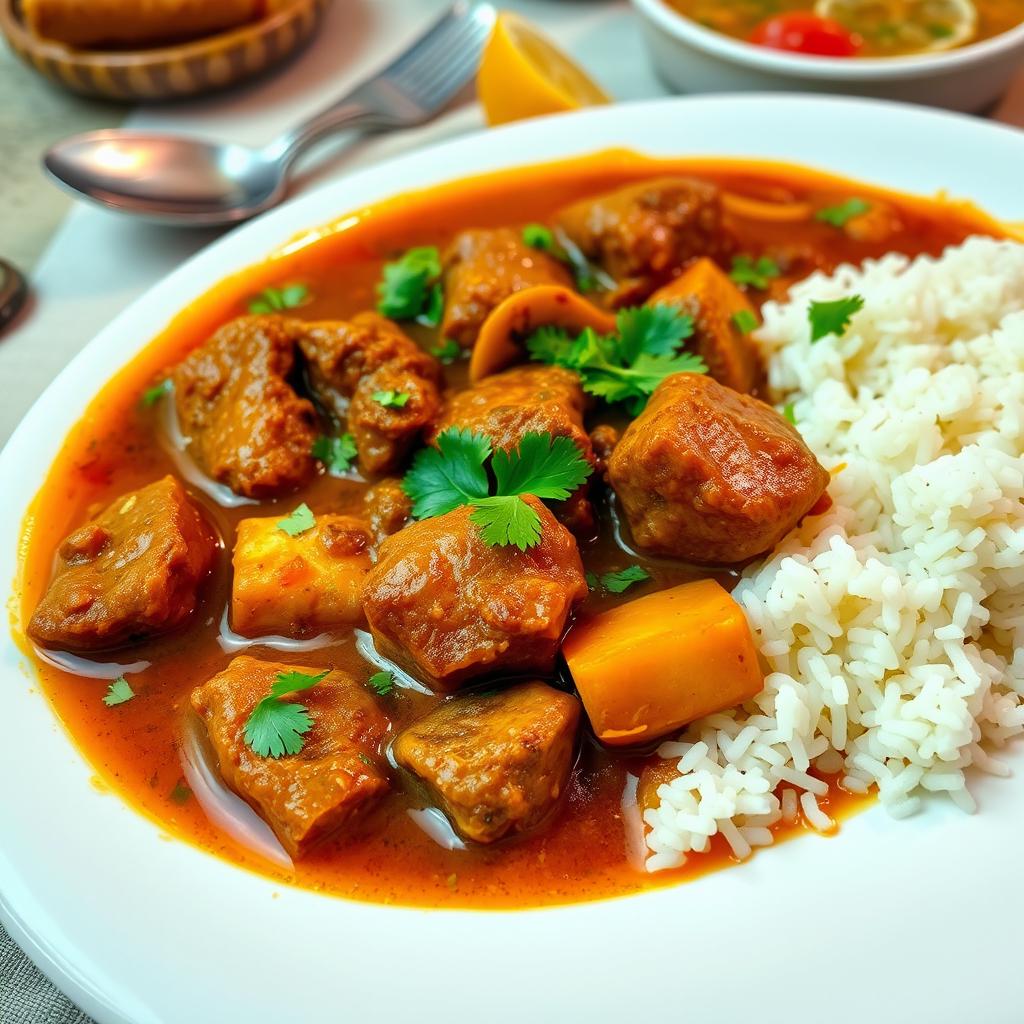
351	113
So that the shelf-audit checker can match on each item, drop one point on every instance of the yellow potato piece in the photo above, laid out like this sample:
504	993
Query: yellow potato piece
295	586
647	668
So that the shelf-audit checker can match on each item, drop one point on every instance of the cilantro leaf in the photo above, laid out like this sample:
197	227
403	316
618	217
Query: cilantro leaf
745	321
789	412
506	519
298	521
274	300
391	399
382	683
336	453
537	236
758	274
837	216
180	794
450	475
276	727
833	317
433	311
447	352
407	288
656	330
626	366
119	692
153	395
592	581
617	582
544	466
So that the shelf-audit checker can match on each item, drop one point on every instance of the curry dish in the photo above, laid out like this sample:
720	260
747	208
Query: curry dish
387	567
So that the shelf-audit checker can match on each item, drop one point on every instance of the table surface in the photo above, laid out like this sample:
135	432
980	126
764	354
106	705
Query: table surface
75	256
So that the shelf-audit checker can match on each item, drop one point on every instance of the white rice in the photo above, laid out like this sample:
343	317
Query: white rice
891	628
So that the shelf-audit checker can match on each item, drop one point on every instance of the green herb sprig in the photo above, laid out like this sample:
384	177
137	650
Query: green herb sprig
276	727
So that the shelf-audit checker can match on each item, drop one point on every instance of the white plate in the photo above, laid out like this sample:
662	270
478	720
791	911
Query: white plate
909	921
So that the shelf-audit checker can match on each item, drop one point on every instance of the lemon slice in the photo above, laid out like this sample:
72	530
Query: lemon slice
523	74
906	26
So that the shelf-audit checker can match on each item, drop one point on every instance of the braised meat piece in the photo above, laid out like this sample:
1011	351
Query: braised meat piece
481	268
448	608
388	507
304	797
644	234
351	362
296	586
496	765
246	426
710	475
525	399
718	308
132	572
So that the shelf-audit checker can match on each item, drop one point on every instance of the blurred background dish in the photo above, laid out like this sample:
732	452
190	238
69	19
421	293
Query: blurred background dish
222	44
956	54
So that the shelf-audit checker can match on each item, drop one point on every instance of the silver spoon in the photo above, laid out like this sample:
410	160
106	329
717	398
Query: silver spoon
187	181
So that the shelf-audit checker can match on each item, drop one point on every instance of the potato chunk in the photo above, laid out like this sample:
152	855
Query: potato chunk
496	764
646	668
307	796
294	586
706	293
448	608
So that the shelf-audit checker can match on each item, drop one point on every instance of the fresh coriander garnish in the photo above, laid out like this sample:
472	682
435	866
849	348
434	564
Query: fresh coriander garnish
119	692
757	273
382	683
833	317
628	365
745	321
276	727
448	351
153	395
391	399
618	582
789	412
297	522
362	757
537	236
274	300
336	453
410	288
837	216
180	794
454	474
592	581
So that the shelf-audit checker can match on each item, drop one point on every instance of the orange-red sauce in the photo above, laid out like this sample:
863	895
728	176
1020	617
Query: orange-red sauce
582	853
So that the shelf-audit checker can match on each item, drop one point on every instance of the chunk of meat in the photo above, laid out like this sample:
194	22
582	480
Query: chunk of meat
388	507
496	765
481	268
132	572
308	796
644	234
246	426
706	293
295	586
527	399
710	475
351	362
449	608
603	439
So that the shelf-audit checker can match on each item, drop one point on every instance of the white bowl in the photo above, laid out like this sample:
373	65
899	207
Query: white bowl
891	921
692	58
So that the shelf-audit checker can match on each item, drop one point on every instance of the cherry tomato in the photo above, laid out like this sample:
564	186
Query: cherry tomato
803	32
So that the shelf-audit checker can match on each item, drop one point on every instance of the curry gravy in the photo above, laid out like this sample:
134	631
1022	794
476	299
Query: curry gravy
583	853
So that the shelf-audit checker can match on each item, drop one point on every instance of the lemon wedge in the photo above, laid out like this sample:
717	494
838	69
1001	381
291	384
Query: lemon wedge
906	26
523	74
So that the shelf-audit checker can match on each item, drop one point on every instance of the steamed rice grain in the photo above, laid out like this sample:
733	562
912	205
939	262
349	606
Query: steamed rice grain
892	627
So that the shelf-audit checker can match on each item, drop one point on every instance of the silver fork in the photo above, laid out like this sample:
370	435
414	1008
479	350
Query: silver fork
192	182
